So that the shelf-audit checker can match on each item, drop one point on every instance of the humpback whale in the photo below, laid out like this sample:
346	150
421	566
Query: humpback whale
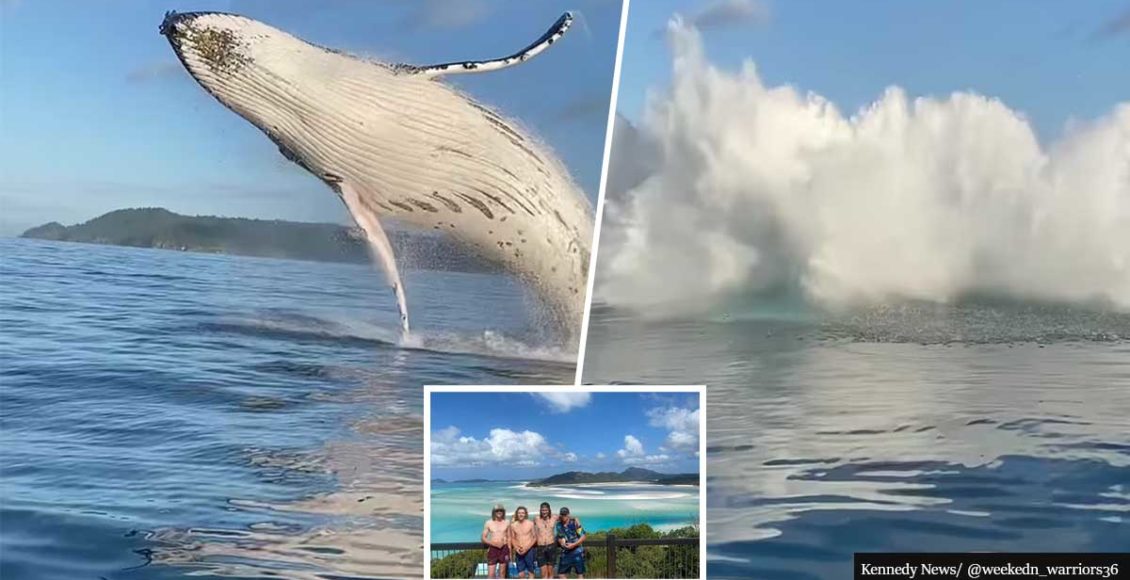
395	142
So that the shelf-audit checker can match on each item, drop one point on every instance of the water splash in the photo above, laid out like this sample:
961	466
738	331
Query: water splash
758	189
488	343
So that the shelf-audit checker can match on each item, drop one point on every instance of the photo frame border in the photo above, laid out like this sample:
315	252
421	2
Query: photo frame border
429	390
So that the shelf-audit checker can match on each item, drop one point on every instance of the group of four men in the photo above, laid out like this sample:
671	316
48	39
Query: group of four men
549	542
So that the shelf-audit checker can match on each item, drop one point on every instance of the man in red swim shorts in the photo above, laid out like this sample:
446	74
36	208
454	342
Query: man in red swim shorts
497	538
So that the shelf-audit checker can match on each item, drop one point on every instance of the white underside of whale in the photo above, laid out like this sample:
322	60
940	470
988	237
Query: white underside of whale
396	143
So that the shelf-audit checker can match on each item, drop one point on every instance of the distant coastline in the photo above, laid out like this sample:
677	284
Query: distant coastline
162	229
602	506
631	475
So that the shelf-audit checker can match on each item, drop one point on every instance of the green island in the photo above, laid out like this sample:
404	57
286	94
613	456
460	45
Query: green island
661	561
629	475
163	229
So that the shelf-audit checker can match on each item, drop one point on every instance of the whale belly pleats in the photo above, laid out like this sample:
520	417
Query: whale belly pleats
428	157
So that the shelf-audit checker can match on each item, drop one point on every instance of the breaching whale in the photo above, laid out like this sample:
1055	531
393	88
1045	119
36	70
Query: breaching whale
395	142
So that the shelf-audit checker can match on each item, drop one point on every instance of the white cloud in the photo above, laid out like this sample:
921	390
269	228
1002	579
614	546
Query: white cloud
634	453
648	459
569	457
523	448
632	448
563	402
682	425
446	434
729	13
601	455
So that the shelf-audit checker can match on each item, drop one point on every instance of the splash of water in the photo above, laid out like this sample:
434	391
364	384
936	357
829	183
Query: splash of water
764	189
489	343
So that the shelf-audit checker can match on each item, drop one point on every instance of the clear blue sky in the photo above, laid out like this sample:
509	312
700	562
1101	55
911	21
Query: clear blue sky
1050	59
96	114
484	435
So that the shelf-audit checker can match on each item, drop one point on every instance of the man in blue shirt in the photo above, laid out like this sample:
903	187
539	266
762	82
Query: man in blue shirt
570	535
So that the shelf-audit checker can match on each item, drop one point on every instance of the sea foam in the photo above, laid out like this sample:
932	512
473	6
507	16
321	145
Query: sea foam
734	188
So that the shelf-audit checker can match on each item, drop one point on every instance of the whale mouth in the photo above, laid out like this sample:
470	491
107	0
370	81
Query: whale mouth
168	25
175	25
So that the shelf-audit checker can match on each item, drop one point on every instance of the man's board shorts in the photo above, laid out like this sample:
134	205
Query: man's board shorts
526	562
547	555
497	555
571	562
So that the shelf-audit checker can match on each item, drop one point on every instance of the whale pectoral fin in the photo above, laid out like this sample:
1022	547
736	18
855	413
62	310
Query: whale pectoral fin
378	242
473	66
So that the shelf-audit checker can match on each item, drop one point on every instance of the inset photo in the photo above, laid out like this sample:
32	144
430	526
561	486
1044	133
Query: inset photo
564	482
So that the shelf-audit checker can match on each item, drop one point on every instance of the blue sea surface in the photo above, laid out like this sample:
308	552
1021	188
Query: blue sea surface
167	413
982	426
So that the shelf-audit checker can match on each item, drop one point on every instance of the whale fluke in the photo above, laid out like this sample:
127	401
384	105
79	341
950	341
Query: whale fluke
473	66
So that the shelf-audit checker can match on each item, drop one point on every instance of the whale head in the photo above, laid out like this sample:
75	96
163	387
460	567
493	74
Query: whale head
253	69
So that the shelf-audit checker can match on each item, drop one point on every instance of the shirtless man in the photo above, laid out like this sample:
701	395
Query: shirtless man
522	541
544	527
496	535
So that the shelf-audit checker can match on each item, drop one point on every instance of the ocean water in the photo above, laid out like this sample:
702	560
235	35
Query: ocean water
985	426
460	508
166	413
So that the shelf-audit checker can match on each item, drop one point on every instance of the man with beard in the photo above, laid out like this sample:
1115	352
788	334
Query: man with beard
544	530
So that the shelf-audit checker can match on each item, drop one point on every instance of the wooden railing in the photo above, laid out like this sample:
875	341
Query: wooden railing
606	557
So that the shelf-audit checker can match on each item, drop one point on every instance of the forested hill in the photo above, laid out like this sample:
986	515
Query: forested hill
631	474
161	228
